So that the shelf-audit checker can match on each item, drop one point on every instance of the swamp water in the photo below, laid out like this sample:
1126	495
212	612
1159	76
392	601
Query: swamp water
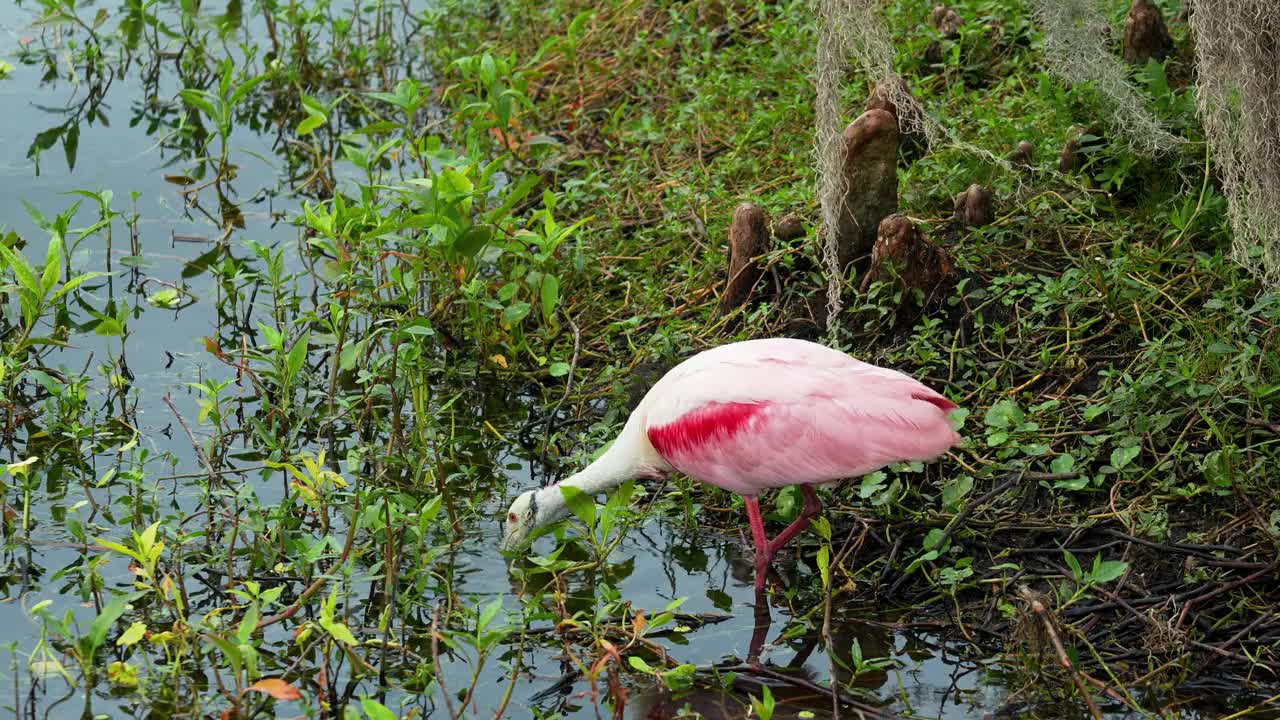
119	459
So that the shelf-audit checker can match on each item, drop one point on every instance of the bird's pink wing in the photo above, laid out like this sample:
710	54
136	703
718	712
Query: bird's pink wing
754	423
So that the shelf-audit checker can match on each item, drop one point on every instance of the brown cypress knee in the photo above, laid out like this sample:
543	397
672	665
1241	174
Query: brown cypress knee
920	264
748	240
870	183
1145	34
973	207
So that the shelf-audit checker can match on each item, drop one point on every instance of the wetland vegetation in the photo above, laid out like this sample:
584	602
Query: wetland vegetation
296	295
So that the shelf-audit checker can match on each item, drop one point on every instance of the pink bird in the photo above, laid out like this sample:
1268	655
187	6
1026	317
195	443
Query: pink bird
760	414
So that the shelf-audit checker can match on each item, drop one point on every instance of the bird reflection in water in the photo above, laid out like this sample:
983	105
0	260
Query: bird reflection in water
798	689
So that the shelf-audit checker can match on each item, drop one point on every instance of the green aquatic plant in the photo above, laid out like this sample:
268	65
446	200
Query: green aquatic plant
37	293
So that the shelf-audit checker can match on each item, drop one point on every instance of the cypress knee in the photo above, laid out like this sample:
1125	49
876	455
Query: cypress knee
870	182
748	240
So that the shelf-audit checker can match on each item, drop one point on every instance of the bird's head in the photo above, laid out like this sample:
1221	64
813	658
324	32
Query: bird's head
520	521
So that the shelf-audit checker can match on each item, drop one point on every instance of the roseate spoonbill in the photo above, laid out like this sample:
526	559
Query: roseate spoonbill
759	414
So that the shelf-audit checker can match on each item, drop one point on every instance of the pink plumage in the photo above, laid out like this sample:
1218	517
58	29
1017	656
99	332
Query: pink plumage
770	413
762	414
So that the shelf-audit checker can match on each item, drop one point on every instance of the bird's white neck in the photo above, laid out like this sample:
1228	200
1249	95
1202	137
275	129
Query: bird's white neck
630	457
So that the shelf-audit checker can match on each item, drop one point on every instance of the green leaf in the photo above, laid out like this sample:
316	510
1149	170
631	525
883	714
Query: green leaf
351	354
617	503
787	503
579	22
199	99
297	355
488	70
621	498
420	327
1074	564
245	88
102	624
824	565
273	337
1104	571
514	314
822	527
456	182
431	510
44	140
202	263
871	484
1122	456
1076	483
71	145
117	547
1265	391
248	624
934	539
582	505
340	632
472	240
22	270
1004	414
558	369
166	298
148	537
52	265
74	283
640	665
550	295
764	706
131	636
886	495
378	128
108	327
488	614
309	124
376	710
518	193
231	652
956	490
1063	463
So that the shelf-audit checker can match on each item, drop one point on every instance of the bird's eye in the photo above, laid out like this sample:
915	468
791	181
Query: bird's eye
512	517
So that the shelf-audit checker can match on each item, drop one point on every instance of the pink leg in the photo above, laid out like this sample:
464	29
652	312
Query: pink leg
765	549
812	507
759	538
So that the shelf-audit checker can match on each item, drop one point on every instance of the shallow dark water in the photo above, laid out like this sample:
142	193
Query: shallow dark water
165	350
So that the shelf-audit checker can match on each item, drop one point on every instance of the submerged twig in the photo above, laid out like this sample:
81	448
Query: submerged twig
435	662
1042	614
